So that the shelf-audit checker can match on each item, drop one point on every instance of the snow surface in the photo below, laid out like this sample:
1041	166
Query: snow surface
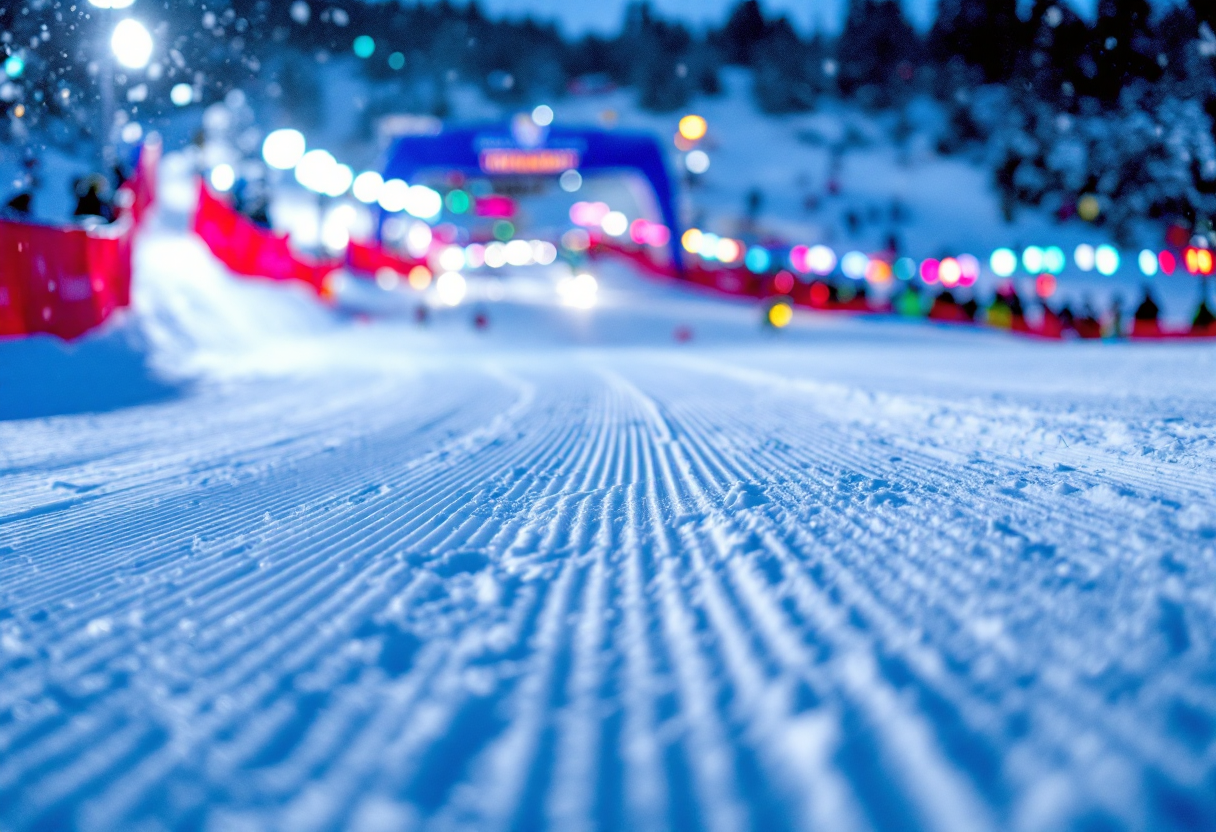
303	571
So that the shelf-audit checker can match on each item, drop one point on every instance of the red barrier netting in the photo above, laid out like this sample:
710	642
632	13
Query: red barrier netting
66	280
62	281
371	258
249	250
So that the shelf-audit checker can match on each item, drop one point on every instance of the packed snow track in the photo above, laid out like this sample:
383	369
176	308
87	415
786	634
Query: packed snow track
855	576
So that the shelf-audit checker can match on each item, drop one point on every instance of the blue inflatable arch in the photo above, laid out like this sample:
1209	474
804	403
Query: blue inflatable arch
522	148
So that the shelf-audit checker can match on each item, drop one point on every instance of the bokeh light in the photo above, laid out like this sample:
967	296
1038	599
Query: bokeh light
223	177
1106	260
181	95
758	260
929	270
693	128
1032	259
367	186
364	46
697	162
283	149
132	44
854	265
451	288
1148	263
1083	256
1003	262
780	315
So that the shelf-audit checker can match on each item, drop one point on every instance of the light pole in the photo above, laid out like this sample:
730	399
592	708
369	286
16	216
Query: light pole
131	45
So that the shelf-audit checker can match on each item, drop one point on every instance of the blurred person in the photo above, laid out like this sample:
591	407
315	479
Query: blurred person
92	198
1145	322
908	302
1203	322
1114	322
19	207
1087	324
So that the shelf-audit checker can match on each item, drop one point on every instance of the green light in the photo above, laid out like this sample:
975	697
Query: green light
14	66
458	202
396	60
503	230
1053	259
364	46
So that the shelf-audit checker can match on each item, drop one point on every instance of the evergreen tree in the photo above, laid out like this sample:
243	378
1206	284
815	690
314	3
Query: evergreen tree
984	33
876	45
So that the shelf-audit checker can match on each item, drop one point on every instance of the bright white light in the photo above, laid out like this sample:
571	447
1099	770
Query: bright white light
314	169
223	177
545	253
1148	263
854	265
1106	260
181	94
394	195
418	239
337	181
335	230
451	288
496	255
543	115
111	4
519	253
1003	262
728	250
475	255
571	181
1084	257
821	260
132	132
579	291
367	186
423	202
283	149
697	162
709	246
132	44
614	223
451	259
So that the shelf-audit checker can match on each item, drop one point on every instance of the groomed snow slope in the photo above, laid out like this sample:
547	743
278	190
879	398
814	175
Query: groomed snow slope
570	574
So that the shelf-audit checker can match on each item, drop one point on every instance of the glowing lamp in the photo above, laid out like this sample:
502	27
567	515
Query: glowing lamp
783	282
1167	261
1045	285
283	149
854	265
905	268
313	170
1198	261
929	270
697	162
949	272
1106	260
1003	262
728	250
691	240
878	272
821	260
223	177
451	288
364	46
1084	257
758	260
709	246
693	128
614	223
969	269
780	315
367	186
181	95
799	258
1032	259
14	66
1088	208
1053	260
132	44
1148	263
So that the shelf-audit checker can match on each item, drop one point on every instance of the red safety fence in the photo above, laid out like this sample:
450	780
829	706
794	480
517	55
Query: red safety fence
62	281
249	250
370	258
66	280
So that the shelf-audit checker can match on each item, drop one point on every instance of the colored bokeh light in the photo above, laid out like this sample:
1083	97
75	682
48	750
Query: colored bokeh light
1148	263
780	315
1045	285
364	46
929	270
1084	257
693	128
758	260
1167	261
854	265
1032	259
1054	260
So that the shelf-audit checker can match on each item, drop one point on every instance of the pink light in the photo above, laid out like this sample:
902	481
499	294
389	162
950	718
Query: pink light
1167	261
588	214
798	259
929	270
969	270
639	231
